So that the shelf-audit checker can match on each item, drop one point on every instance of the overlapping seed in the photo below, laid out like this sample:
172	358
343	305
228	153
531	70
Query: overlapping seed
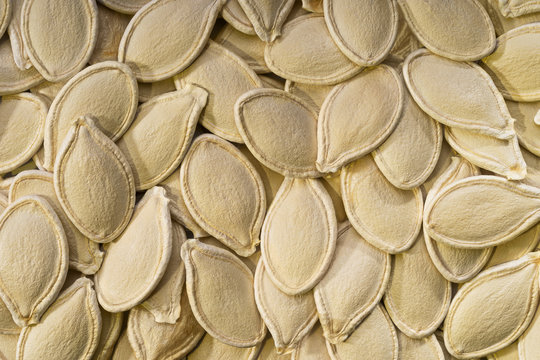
269	179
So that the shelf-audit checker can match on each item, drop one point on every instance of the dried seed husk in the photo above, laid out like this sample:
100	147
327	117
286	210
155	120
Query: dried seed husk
209	176
122	283
35	258
97	193
210	271
508	293
151	47
369	214
353	285
297	249
12	79
472	34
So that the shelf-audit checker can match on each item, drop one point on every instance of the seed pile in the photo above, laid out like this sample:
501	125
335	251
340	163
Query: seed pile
269	179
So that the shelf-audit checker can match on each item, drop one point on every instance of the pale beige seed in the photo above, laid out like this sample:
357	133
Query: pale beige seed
513	64
502	300
211	174
210	348
84	254
528	342
353	285
459	30
97	193
111	27
457	94
374	338
12	79
481	211
502	157
515	8
233	13
414	349
269	352
111	325
123	349
267	16
225	76
418	296
299	235
527	129
285	144
20	54
455	264
124	6
289	318
314	95
151	340
409	155
22	119
370	215
76	311
171	119
35	252
504	24
5	15
515	248
179	211
149	90
106	91
8	346
366	40
445	159
121	282
70	37
306	39
250	48
164	302
313	347
151	47
210	271
346	130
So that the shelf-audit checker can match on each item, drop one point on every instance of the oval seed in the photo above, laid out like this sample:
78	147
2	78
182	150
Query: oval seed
374	338
71	30
409	155
225	76
111	325
210	271
306	40
414	349
285	144
28	289
527	129
122	283
503	157
481	211
299	235
22	119
513	64
347	130
164	302
151	340
12	79
267	16
80	180
76	311
369	214
209	176
233	13
289	317
353	285
460	30
111	27
455	264
368	41
151	47
418	296
463	95
507	293
89	93
210	348
125	6
171	119
84	254
313	347
20	54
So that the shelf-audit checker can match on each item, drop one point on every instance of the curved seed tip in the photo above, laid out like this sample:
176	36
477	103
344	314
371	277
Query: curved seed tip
84	120
517	172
